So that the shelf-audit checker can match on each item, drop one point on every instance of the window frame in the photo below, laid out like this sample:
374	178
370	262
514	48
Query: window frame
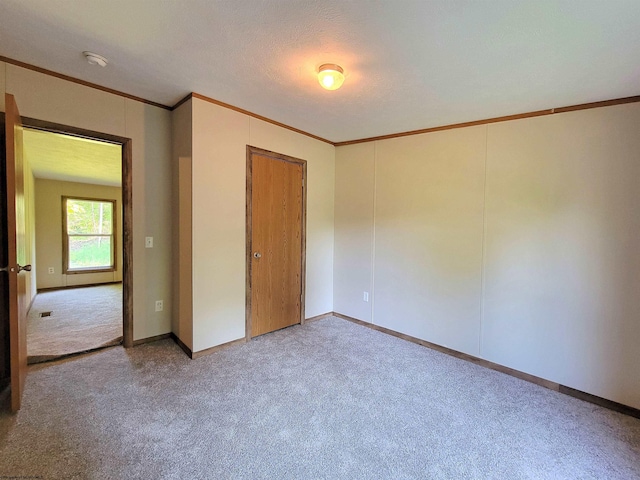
65	237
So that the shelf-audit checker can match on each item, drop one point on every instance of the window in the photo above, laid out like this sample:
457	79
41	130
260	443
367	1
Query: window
88	230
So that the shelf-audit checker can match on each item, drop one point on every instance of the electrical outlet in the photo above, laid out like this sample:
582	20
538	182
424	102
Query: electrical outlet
51	270
365	297
148	242
159	305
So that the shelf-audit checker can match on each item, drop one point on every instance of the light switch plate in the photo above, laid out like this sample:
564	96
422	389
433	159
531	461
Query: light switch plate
148	242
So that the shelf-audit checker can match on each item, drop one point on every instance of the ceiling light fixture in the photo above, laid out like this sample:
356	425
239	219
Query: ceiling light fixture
95	59
330	76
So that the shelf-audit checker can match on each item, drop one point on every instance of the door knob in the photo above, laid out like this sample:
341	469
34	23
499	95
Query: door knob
13	269
257	255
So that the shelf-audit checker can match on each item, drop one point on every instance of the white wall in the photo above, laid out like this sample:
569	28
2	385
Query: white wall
516	242
220	138
52	99
48	232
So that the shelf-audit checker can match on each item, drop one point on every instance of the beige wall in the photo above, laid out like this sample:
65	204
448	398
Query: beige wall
428	223
182	313
220	137
516	242
48	229
30	229
354	236
562	253
52	99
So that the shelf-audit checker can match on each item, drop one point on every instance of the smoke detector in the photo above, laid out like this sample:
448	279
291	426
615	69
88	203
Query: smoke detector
95	59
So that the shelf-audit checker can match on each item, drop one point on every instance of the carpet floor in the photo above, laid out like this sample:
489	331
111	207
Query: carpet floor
82	319
327	400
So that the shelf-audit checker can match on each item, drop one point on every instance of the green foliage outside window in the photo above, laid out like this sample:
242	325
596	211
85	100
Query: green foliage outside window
89	234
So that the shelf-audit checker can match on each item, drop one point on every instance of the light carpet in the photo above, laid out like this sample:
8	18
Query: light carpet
327	400
82	319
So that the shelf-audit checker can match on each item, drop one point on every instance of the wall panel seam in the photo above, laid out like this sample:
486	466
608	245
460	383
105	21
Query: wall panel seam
372	297
483	241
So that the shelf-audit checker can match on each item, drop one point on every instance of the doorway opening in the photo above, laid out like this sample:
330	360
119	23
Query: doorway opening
82	240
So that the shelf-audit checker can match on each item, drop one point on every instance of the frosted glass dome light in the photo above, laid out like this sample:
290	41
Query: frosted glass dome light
331	76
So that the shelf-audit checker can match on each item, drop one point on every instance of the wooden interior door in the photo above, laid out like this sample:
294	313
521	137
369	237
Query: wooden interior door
16	251
276	211
5	361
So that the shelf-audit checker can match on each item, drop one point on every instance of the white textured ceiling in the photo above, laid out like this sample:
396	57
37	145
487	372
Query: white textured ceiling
409	64
72	159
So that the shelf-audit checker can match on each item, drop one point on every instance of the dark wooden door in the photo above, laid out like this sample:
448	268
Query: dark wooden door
276	242
16	251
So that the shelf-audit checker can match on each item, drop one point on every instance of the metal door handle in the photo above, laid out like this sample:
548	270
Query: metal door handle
257	255
13	269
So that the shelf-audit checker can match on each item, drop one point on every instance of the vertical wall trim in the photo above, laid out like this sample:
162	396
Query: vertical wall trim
126	200
372	296
484	239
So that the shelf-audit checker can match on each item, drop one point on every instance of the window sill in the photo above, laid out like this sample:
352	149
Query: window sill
89	270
